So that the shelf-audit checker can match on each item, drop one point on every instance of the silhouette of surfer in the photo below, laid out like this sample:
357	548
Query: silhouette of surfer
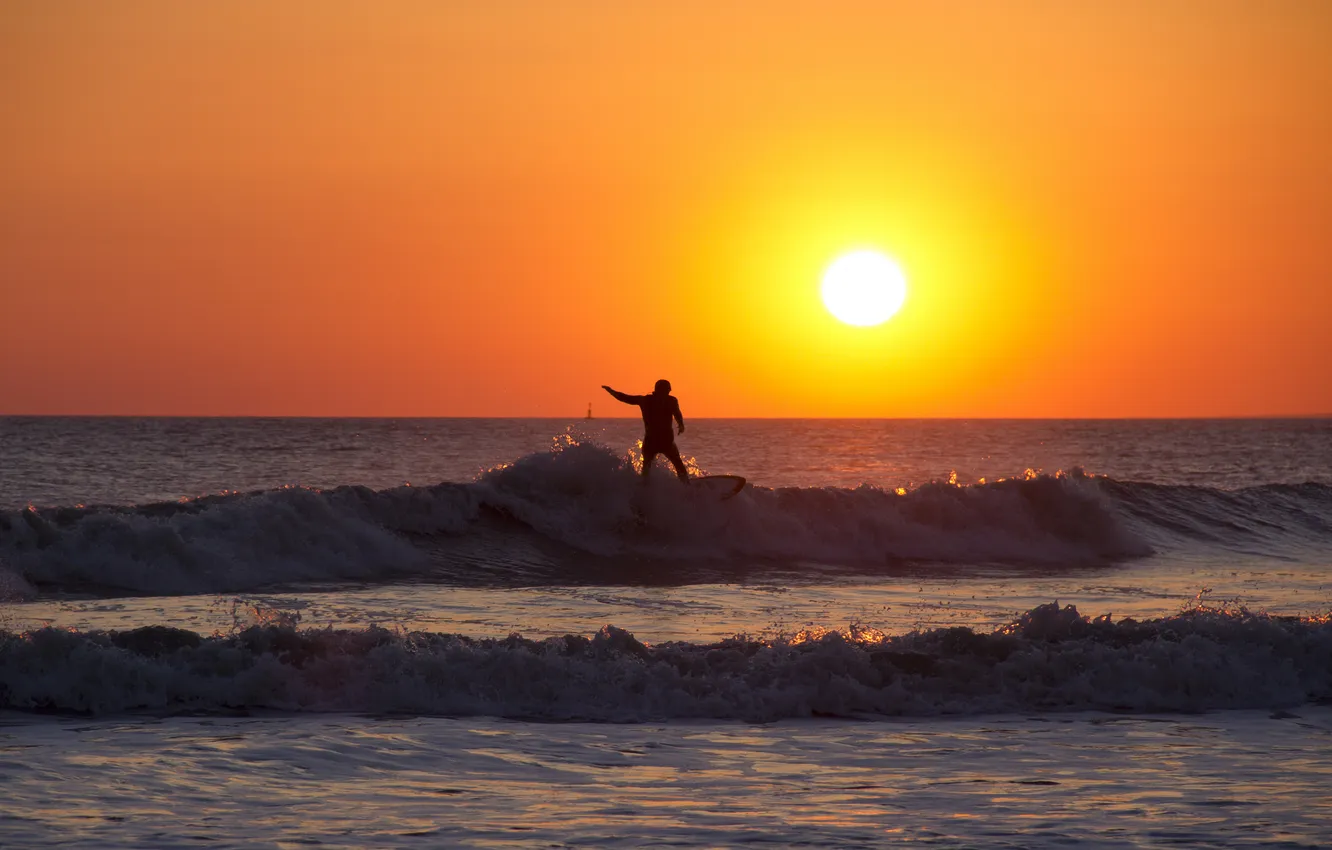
658	411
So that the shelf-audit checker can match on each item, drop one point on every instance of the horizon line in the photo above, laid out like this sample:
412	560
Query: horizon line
1196	418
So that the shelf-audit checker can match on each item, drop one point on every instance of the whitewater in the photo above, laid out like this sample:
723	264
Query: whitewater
493	632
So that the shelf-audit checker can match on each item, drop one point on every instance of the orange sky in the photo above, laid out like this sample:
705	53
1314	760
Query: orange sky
474	209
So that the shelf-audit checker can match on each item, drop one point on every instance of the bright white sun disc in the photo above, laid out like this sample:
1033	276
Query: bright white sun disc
864	288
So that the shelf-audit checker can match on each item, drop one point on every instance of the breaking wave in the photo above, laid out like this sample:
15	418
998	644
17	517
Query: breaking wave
552	516
1049	659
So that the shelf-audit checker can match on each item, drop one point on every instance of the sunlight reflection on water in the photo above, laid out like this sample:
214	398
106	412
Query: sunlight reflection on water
345	781
707	612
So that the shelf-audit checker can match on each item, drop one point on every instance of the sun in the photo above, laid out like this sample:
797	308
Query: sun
864	288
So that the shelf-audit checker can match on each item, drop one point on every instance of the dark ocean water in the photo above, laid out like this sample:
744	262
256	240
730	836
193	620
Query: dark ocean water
177	506
880	533
491	632
878	536
49	461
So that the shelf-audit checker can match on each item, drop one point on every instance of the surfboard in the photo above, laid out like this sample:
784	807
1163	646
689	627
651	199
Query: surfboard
722	487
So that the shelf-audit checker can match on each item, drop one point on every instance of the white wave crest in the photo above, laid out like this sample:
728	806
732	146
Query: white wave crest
563	508
1051	659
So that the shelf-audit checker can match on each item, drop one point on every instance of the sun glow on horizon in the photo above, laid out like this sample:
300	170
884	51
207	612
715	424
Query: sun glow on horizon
864	288
299	183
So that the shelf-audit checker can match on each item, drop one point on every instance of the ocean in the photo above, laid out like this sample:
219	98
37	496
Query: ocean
473	632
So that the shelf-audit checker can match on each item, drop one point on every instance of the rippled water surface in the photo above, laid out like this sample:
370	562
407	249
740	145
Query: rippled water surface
1239	779
180	671
68	460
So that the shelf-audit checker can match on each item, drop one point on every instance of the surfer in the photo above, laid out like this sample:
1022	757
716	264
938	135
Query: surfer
658	411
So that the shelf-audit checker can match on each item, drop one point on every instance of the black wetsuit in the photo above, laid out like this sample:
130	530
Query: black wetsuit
658	435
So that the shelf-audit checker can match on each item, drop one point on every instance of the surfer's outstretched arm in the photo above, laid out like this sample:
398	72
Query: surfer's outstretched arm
679	417
624	397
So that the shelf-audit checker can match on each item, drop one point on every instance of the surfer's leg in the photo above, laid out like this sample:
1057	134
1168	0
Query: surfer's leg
673	455
649	458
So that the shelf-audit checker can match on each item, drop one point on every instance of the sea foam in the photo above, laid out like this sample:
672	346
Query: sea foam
554	513
1049	659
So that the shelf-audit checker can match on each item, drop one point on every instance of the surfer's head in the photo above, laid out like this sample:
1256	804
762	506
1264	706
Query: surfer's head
663	387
